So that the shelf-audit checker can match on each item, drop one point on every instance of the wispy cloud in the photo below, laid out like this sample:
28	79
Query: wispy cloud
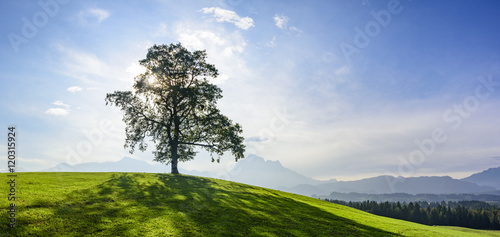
100	14
223	15
295	29
94	15
135	69
344	70
74	89
213	42
199	39
272	43
280	21
78	64
161	30
225	48
59	111
203	39
60	103
256	139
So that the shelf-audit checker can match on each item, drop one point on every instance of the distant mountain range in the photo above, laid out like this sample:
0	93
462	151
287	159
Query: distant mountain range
489	177
254	170
126	164
389	184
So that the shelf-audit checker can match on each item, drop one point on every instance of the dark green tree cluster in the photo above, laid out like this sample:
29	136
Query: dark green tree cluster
470	214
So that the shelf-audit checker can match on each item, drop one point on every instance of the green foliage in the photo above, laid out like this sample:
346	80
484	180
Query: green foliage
136	204
175	105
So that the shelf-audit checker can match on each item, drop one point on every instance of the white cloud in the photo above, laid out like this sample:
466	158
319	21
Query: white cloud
280	21
245	23
92	16
198	39
293	28
59	111
342	71
272	43
135	69
215	45
74	89
223	15
224	49
161	31
230	50
78	64
60	103
100	14
220	79
352	142
228	44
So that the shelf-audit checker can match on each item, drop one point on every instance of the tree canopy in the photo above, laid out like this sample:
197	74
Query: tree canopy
174	105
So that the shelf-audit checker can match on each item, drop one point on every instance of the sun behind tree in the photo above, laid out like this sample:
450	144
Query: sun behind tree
175	105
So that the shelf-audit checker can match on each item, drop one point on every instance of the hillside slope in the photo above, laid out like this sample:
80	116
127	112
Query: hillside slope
136	204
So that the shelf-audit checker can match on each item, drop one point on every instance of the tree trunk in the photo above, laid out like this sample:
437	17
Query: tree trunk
175	142
174	159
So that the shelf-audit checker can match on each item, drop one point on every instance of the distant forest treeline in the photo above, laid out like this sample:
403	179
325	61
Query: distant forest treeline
405	197
470	214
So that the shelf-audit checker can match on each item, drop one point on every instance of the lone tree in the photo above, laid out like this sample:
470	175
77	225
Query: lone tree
175	105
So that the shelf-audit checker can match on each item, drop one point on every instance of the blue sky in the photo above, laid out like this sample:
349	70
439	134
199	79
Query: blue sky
332	89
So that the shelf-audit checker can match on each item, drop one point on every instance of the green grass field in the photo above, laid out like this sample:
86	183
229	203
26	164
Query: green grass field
136	204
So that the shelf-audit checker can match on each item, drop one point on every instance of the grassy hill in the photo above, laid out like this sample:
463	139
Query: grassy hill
133	204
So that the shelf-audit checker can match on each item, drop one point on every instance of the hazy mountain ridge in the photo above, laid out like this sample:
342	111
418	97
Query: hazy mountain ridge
126	164
390	184
413	185
254	170
489	177
17	169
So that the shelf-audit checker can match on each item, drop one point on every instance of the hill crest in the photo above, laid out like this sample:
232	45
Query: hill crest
131	204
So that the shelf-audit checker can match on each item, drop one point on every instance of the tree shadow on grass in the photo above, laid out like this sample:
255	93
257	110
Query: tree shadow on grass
179	205
243	210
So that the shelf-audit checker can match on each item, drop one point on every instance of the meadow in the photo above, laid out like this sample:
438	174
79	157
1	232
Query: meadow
145	204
